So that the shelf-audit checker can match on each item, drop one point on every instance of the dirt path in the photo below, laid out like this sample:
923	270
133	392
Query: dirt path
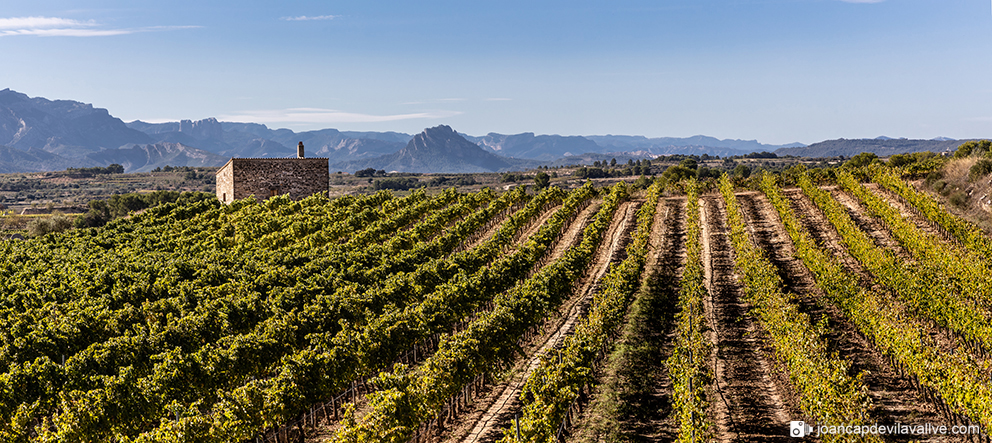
654	422
496	410
874	227
492	227
570	238
748	403
633	399
893	397
574	231
824	233
922	223
534	225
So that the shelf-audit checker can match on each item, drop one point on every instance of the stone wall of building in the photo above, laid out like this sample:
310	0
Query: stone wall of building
225	182
268	177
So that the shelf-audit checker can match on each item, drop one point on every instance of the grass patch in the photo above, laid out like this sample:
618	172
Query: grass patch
626	400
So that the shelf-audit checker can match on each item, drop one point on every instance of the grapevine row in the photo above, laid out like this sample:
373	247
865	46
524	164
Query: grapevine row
923	286
826	390
334	357
966	272
326	363
218	356
954	381
411	397
553	387
689	364
967	233
366	347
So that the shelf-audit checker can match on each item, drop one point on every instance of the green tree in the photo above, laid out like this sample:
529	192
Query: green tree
689	163
541	180
676	173
742	170
862	159
978	148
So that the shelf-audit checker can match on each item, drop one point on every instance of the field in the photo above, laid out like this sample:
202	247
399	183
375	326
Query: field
694	312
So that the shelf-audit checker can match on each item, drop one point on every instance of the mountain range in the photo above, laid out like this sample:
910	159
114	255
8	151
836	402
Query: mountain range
37	134
881	146
441	149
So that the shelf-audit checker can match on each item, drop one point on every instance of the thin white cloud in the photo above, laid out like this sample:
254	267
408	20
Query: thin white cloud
42	23
318	115
302	18
65	32
64	27
436	100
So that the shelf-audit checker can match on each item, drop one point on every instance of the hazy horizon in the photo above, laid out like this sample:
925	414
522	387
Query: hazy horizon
775	71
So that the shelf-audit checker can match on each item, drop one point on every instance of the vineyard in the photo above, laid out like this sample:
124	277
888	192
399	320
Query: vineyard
698	311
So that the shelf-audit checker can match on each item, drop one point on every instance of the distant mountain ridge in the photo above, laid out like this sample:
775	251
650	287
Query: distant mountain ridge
440	149
38	134
880	146
552	147
538	147
627	142
144	158
34	159
67	128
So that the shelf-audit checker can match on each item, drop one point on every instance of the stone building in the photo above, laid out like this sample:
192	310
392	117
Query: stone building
268	177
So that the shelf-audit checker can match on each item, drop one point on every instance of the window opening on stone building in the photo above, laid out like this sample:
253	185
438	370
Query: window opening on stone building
273	192
225	198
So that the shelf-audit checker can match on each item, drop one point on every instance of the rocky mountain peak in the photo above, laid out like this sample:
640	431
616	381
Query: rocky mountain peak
208	128
10	96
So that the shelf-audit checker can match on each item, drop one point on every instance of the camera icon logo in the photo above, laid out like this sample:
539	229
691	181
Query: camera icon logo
799	429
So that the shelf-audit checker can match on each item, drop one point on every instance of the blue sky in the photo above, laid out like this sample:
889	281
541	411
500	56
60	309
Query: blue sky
773	70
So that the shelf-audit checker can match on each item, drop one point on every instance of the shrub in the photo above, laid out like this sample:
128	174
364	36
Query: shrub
674	174
934	177
958	198
367	172
396	184
980	169
58	222
585	172
642	182
977	148
742	170
862	159
939	186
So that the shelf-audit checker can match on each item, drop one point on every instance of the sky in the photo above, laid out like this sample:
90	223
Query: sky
776	71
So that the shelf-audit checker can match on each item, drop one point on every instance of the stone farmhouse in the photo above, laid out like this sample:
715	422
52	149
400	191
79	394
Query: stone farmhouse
299	177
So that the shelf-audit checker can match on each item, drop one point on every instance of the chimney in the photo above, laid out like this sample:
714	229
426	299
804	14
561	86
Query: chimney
299	150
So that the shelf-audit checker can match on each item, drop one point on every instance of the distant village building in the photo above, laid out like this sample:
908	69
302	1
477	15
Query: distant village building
268	177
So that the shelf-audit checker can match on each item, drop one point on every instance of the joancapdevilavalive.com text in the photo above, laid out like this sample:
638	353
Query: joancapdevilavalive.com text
803	429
